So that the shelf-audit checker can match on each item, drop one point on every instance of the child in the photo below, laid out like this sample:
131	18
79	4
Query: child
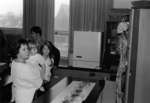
37	60
47	55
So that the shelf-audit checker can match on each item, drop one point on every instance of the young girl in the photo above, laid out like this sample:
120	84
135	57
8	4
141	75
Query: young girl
46	53
36	60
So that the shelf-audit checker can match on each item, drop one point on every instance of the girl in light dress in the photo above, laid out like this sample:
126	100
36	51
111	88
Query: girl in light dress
49	61
24	75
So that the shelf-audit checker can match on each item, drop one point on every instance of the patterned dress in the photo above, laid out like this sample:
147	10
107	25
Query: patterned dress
49	65
122	68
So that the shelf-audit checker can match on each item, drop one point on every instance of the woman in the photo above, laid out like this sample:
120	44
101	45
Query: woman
46	51
25	82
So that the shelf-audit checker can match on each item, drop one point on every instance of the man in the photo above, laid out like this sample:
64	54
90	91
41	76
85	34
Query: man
36	35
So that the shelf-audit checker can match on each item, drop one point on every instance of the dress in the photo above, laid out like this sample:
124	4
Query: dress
25	82
49	64
121	68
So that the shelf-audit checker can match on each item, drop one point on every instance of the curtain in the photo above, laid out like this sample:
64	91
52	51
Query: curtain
45	17
29	15
39	13
87	15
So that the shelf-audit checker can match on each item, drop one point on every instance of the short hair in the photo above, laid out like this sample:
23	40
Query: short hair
18	45
36	29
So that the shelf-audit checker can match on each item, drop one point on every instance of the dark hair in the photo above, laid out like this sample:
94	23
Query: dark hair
54	52
47	43
126	17
17	47
31	41
36	29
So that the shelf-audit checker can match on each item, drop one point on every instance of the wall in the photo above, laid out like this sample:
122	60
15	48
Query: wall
123	3
12	35
142	84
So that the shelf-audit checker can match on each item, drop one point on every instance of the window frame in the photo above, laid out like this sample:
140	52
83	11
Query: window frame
64	61
12	30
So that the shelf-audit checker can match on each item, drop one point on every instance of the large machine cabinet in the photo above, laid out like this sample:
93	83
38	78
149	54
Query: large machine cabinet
86	49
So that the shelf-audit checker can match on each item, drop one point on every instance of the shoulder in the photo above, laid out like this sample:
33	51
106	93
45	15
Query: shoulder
39	58
16	64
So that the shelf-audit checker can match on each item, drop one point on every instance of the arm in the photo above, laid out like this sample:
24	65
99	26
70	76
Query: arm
43	70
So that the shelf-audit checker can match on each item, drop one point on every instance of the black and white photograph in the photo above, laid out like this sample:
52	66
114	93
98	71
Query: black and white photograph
74	51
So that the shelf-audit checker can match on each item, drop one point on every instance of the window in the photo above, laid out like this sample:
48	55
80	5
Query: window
11	13
61	26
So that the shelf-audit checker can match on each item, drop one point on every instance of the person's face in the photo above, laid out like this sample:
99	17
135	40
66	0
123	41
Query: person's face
45	51
35	35
33	49
23	52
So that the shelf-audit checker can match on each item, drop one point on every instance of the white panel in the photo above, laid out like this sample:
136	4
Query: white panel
86	47
122	3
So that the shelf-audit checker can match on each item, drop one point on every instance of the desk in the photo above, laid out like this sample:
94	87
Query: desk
76	92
